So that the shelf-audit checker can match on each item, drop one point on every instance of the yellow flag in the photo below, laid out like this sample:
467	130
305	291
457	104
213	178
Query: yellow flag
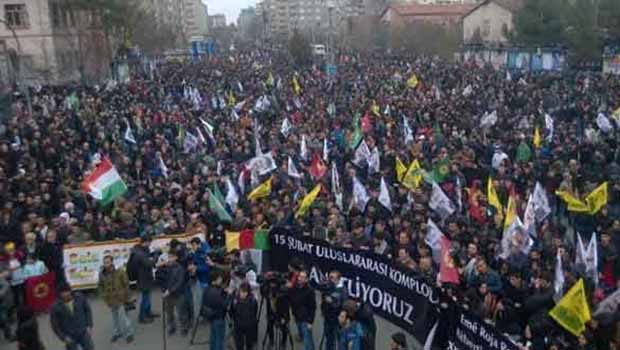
401	169
616	114
511	212
492	197
270	80
572	311
413	177
232	241
597	199
375	108
413	82
307	201
263	190
536	138
296	87
574	204
231	99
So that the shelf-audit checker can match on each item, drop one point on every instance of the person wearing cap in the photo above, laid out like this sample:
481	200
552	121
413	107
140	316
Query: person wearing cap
399	341
72	320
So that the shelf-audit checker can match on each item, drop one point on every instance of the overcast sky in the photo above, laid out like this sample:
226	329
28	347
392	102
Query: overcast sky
230	8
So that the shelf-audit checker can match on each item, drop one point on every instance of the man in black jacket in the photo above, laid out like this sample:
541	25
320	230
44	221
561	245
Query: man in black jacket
175	284
144	268
72	320
303	303
214	306
244	313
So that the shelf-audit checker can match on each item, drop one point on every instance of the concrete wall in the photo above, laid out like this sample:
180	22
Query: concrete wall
492	20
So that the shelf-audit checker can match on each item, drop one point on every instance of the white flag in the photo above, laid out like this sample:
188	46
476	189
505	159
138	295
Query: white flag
286	127
558	283
362	154
541	202
360	195
190	142
440	203
303	152
239	106
325	151
373	161
254	180
263	164
459	194
129	135
508	76
408	133
234	116
163	168
220	165
433	239
580	251
232	197
201	137
515	239
488	120
549	127
468	90
384	195
335	180
388	110
207	126
258	150
498	158
529	217
241	181
591	259
603	123
292	170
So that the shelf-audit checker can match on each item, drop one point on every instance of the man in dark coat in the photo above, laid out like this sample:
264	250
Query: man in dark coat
174	286
303	303
144	268
244	312
72	320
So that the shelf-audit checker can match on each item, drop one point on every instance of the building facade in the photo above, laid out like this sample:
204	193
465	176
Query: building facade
217	21
169	13
49	42
195	23
443	15
247	22
490	21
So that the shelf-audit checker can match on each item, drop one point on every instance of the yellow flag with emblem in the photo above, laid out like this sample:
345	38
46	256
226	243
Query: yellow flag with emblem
536	141
492	197
413	177
597	199
511	212
572	311
263	190
413	82
307	201
401	169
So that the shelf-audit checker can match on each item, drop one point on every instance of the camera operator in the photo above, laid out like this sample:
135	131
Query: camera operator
333	296
303	303
243	271
278	306
244	312
214	305
363	314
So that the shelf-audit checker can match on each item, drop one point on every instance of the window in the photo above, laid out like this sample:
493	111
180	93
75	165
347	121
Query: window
16	15
486	27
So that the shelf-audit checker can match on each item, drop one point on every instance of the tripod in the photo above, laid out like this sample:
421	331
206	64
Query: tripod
198	320
278	326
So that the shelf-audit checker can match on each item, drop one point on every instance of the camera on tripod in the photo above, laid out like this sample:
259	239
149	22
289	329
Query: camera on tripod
272	282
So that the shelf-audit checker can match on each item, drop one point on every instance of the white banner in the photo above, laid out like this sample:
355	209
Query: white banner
83	262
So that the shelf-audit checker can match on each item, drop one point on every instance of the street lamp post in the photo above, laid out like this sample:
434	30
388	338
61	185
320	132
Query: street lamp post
17	65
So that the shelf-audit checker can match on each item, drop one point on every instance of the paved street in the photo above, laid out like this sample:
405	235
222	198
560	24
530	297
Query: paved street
149	337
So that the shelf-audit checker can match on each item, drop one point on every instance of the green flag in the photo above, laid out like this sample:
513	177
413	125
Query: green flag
261	240
218	208
523	152
218	194
441	170
356	138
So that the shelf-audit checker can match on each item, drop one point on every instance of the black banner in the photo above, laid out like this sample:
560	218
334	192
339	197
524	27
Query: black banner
395	294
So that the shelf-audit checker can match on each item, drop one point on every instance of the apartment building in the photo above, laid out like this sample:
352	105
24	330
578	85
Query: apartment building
195	25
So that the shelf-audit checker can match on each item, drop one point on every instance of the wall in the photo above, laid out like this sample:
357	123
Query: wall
496	18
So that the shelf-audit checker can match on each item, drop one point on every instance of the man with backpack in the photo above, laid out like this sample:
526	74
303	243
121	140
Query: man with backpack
140	269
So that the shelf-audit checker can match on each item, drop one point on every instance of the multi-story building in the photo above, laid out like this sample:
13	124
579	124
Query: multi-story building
169	13
217	21
195	26
50	42
246	22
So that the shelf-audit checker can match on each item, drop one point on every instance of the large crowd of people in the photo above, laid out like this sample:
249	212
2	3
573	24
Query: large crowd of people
194	126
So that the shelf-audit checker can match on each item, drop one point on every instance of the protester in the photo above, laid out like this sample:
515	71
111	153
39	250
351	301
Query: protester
6	302
33	267
244	311
114	289
334	295
199	269
72	320
350	333
303	305
28	337
141	262
174	285
215	303
399	341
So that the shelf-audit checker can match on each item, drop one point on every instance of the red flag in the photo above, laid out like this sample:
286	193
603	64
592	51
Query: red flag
317	168
246	239
41	292
449	273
